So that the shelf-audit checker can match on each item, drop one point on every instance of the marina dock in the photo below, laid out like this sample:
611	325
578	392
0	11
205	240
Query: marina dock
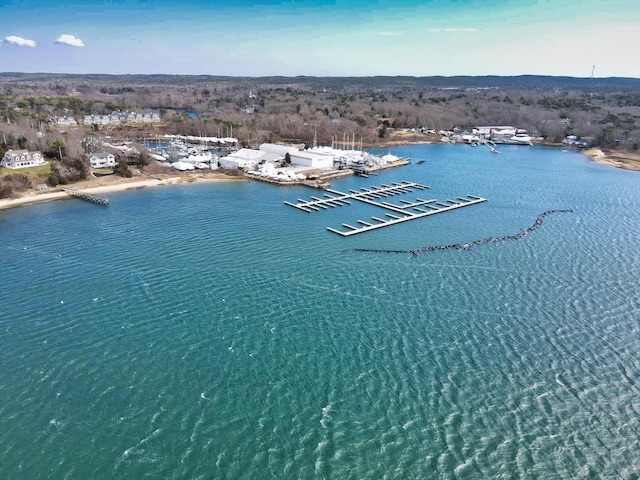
87	197
402	212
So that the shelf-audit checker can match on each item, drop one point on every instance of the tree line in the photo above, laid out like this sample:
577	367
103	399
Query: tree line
606	111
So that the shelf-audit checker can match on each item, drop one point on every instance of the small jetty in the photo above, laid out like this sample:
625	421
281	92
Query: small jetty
87	197
491	146
362	171
405	211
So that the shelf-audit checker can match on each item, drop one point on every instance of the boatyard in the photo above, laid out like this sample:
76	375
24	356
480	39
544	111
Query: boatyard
279	164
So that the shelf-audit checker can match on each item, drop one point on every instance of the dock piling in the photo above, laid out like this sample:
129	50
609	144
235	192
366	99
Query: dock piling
87	197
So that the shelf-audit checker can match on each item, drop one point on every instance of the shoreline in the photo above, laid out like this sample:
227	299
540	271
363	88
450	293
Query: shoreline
612	158
604	156
102	185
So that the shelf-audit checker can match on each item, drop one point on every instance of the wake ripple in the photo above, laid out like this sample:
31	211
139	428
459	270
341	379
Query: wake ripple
466	246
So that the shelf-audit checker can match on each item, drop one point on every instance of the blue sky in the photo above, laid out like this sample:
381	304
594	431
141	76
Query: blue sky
322	37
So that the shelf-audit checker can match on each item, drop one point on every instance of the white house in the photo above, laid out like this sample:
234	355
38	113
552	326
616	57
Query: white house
151	116
117	117
22	159
101	160
64	121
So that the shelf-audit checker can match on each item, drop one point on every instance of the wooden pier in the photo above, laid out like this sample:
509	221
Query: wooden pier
87	197
402	212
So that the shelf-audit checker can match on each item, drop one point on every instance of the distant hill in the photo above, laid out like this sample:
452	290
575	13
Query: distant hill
597	111
536	82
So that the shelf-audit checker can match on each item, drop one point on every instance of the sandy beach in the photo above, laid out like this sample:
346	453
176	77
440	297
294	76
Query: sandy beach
102	185
614	158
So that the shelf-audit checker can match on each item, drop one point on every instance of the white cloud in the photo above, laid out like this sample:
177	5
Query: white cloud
70	40
452	29
23	42
390	34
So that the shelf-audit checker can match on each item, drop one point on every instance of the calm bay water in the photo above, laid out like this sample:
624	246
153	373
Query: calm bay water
210	331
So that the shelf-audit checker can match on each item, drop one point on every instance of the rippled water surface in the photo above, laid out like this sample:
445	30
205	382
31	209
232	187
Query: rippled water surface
210	331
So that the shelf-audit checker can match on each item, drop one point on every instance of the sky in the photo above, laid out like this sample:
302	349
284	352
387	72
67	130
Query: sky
322	37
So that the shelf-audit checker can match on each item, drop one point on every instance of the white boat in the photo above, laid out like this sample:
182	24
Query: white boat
202	157
517	139
520	139
182	166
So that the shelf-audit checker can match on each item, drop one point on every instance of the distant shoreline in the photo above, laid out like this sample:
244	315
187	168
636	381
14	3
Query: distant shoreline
613	158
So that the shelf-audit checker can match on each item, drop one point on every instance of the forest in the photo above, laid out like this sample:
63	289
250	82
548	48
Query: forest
603	111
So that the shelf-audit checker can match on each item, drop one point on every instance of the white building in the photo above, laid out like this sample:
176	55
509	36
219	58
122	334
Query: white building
64	121
101	160
245	159
22	159
278	149
118	117
311	159
248	159
487	131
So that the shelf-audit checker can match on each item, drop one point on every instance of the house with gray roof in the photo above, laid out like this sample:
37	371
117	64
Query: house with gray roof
101	160
22	159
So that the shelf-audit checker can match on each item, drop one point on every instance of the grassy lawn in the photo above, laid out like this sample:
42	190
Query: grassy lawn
40	171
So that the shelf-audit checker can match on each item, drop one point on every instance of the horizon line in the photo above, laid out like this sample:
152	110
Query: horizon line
321	76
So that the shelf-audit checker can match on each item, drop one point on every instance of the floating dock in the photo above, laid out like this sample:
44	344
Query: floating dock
87	197
402	212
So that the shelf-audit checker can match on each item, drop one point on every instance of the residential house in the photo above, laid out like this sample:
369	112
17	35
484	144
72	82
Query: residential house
101	160
117	117
22	159
64	121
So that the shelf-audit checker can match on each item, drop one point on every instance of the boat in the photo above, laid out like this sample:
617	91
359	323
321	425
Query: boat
517	139
203	157
520	139
182	166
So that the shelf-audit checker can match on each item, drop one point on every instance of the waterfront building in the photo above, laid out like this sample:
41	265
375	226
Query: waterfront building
243	159
488	131
278	149
22	159
101	159
311	159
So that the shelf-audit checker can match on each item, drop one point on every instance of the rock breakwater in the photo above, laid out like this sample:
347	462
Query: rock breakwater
466	246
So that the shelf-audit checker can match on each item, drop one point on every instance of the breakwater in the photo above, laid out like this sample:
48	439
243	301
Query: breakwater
466	246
